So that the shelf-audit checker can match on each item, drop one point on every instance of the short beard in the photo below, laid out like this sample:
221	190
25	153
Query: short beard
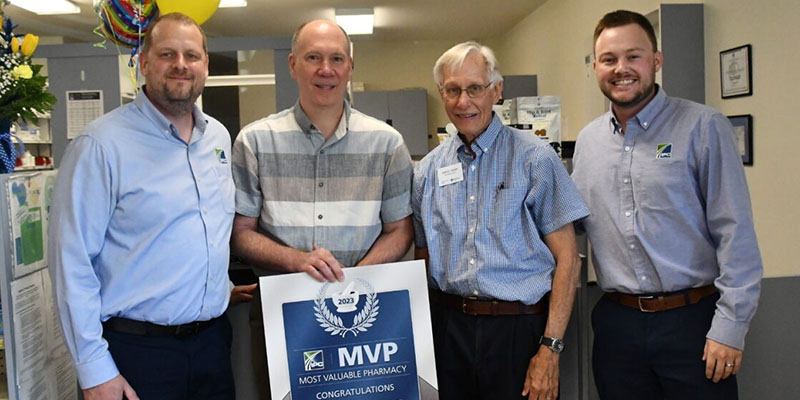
641	96
173	105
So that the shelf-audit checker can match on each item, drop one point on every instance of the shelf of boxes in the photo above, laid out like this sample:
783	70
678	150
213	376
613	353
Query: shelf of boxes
36	135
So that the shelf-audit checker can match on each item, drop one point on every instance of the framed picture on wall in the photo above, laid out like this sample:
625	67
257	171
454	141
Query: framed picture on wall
743	127
735	72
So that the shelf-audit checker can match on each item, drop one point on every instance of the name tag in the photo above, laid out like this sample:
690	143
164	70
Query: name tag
450	174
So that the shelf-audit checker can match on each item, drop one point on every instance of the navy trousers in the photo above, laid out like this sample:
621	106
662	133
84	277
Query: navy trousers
483	357
197	367
654	356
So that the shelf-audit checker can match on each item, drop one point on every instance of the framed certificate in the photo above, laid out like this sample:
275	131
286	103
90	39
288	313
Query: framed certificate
735	72
366	337
743	127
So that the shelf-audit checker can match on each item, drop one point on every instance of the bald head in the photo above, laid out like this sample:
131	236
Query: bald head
321	26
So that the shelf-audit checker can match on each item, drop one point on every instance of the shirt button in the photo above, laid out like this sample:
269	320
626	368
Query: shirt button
212	277
627	213
471	261
627	148
319	216
471	229
633	246
485	149
644	278
626	180
644	124
472	198
472	168
212	243
475	293
321	184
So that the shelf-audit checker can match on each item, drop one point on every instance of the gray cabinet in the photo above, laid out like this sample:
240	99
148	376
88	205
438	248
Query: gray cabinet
405	110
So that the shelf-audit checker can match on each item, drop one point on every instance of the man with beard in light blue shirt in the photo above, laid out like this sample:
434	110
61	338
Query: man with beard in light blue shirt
139	230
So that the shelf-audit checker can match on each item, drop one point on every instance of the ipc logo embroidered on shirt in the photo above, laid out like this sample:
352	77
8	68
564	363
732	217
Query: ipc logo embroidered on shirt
221	156
664	150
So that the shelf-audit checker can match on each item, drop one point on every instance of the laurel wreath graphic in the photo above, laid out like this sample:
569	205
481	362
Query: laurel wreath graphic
333	323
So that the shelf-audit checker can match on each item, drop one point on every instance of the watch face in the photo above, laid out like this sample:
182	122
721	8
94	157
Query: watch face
557	345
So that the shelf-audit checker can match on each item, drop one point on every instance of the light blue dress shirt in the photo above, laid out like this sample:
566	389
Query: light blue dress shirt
484	233
139	228
670	208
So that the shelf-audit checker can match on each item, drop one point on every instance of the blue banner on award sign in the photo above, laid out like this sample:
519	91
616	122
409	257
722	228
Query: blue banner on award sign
351	344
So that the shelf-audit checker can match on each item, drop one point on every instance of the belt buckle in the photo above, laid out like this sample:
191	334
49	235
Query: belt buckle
464	304
639	299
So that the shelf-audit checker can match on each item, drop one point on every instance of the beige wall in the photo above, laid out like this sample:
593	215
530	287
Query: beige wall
553	41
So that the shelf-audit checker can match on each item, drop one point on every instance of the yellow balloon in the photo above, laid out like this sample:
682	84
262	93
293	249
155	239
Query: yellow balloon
198	10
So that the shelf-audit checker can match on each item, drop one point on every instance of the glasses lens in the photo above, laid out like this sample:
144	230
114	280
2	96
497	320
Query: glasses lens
475	91
452	92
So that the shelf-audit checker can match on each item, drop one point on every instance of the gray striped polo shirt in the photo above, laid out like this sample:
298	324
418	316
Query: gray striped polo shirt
335	194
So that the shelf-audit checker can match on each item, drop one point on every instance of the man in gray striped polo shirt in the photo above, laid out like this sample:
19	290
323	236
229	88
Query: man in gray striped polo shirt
319	186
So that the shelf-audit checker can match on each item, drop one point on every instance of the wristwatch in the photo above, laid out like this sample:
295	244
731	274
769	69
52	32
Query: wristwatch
554	344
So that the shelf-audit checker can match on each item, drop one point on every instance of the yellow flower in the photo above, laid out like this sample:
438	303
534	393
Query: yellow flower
14	44
29	44
22	71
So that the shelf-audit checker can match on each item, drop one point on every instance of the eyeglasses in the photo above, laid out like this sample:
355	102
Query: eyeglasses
473	91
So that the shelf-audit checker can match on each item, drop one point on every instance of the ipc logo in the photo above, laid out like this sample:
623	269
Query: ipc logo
314	360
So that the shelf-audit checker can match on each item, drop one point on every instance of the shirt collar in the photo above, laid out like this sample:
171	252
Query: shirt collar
645	117
165	127
485	140
307	126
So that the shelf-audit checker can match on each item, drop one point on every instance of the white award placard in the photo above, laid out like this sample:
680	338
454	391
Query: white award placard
366	337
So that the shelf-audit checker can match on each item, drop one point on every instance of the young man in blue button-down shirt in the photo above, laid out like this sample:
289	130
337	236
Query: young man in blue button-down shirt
672	235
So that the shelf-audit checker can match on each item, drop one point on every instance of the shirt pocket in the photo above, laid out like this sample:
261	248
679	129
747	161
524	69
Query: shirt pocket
227	190
665	184
505	218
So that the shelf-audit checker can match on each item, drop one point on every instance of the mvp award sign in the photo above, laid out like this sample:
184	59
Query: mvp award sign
368	337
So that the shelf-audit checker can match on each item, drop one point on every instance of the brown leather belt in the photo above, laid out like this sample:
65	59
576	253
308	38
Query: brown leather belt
142	328
664	302
475	306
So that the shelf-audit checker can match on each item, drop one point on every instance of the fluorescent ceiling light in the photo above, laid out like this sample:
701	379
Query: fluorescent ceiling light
355	21
47	7
232	3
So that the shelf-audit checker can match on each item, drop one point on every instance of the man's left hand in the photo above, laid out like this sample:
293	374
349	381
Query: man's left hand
242	293
721	360
541	380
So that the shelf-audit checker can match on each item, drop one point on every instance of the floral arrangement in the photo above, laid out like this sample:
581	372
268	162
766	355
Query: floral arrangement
23	91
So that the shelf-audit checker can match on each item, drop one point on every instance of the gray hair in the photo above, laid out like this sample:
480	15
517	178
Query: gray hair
454	59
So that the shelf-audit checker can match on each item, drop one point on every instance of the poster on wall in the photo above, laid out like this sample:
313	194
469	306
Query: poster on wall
83	107
366	337
29	208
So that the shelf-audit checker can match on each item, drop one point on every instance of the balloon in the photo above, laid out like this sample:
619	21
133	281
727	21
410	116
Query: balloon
125	22
198	10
